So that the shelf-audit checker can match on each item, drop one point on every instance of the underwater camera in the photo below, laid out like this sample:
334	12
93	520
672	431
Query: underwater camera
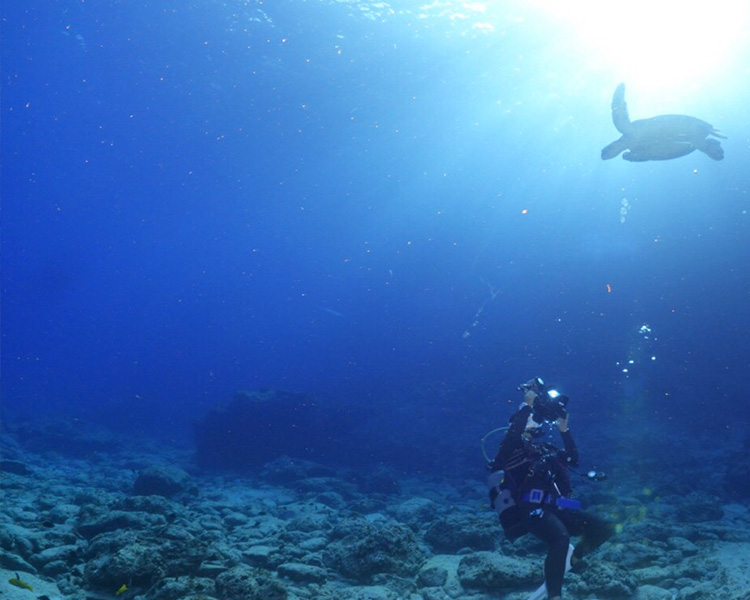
550	405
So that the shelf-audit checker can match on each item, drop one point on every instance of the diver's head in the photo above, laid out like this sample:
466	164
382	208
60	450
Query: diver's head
535	384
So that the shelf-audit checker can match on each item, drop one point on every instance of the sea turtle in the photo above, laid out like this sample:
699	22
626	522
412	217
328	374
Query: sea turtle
659	138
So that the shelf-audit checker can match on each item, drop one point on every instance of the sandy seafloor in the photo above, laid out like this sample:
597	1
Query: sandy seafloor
101	512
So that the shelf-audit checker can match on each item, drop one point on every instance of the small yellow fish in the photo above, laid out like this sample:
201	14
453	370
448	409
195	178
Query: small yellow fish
18	582
122	590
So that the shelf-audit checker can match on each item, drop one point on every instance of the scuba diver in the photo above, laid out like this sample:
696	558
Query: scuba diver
530	487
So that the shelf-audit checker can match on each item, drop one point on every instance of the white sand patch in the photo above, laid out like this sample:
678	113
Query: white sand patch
733	556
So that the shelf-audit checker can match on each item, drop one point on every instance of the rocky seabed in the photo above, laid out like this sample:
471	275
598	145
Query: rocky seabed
146	524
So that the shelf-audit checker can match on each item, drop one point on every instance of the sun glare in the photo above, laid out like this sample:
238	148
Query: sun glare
657	44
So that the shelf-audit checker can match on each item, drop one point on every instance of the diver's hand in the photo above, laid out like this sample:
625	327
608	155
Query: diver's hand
529	397
562	424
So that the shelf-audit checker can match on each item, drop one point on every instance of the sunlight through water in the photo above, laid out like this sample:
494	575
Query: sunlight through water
657	44
654	45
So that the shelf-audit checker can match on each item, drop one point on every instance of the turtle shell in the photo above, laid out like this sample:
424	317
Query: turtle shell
659	138
669	136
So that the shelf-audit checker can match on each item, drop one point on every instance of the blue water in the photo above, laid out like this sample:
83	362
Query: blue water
402	213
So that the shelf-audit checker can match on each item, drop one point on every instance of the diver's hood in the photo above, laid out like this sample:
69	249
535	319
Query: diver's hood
533	427
531	424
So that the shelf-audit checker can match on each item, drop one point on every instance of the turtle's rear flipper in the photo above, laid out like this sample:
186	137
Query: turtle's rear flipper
620	116
713	148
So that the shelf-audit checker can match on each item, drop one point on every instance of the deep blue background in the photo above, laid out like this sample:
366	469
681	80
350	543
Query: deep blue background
199	198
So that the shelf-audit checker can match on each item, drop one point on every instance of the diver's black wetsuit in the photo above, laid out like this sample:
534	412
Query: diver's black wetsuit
532	465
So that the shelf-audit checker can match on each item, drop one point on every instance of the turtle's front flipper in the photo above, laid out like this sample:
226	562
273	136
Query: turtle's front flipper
713	148
614	148
620	116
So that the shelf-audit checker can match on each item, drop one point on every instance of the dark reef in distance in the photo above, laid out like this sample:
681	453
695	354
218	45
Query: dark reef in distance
256	427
